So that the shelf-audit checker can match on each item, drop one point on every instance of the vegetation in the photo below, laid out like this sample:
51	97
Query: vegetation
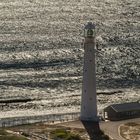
12	138
65	135
3	132
6	136
130	131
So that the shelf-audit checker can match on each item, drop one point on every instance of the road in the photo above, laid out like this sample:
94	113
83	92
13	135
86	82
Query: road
109	127
112	127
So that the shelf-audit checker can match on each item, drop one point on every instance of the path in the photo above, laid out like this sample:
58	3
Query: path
110	127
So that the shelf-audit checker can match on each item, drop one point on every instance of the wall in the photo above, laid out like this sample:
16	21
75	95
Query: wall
6	122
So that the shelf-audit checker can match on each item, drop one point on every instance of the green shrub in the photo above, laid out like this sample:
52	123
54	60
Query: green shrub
61	135
58	131
3	132
6	136
66	135
12	138
73	137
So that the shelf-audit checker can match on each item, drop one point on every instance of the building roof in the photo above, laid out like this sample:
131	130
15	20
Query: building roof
126	107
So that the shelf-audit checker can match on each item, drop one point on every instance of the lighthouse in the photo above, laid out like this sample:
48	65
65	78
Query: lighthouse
89	100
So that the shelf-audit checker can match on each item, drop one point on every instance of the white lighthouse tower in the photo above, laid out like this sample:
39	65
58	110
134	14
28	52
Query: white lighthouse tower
89	101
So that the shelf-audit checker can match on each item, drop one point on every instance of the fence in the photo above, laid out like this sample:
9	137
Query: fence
13	121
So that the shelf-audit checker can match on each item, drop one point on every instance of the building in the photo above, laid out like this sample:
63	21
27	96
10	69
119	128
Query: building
122	111
89	102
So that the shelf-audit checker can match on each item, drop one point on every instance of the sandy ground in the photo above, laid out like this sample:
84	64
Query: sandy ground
130	131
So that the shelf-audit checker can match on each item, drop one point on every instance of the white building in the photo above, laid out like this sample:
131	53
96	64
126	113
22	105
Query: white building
89	101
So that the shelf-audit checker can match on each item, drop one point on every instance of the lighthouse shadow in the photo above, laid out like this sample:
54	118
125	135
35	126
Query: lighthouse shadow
93	130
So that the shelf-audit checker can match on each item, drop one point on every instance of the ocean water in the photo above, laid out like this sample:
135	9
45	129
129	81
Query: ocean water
41	53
